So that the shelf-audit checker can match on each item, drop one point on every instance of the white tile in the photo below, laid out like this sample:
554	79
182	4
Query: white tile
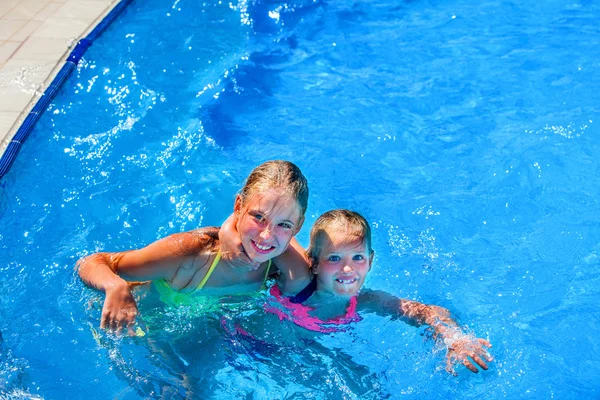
61	28
7	49
84	10
24	75
6	6
39	48
26	9
7	119
9	27
47	11
22	34
14	100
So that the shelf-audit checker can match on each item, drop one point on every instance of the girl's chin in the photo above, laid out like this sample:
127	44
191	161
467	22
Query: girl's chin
343	292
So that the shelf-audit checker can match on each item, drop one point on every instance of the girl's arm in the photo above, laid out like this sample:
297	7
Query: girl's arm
119	309
460	346
110	273
294	269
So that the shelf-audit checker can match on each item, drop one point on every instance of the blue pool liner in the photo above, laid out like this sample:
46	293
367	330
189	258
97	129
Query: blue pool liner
42	104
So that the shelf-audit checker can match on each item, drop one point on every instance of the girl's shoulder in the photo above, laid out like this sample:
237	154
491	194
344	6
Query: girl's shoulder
201	240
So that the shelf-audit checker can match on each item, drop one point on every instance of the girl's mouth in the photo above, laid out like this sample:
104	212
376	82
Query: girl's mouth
346	281
261	249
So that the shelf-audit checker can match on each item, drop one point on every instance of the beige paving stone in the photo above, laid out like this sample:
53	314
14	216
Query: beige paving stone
39	48
7	49
65	28
9	27
7	119
6	6
26	9
14	100
47	11
84	10
22	34
24	75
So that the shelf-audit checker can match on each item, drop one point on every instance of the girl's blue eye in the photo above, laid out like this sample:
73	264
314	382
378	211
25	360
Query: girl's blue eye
258	217
334	258
358	257
286	225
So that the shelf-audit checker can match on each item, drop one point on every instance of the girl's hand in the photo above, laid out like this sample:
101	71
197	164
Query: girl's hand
466	349
119	310
232	250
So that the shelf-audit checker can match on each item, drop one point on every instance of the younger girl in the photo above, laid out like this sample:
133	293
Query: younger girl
340	257
268	212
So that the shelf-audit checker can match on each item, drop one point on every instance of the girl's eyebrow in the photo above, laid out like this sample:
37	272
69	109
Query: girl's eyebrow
259	211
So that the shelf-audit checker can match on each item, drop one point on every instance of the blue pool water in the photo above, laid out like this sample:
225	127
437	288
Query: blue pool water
466	132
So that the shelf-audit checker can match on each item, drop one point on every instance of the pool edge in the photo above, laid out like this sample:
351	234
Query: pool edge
11	144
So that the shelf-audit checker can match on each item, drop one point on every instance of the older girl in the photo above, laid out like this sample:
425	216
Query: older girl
269	211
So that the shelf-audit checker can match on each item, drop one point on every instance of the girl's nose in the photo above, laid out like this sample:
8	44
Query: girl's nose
266	234
347	269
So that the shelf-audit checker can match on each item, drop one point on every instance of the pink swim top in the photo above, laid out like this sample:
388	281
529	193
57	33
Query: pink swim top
298	313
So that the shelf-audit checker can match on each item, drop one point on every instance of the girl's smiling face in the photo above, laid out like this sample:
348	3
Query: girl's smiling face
267	223
342	265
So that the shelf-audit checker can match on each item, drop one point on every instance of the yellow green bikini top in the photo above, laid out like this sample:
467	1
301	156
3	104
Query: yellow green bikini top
172	297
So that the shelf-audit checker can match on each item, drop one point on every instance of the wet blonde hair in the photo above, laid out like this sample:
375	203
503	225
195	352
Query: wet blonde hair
351	223
283	176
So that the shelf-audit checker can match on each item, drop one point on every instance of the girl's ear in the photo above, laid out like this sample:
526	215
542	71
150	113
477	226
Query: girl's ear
299	226
314	267
237	207
371	257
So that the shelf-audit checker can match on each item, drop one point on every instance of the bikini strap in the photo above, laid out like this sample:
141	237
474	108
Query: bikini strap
264	284
214	265
210	270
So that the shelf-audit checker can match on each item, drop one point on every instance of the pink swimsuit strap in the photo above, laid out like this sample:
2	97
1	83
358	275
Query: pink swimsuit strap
299	314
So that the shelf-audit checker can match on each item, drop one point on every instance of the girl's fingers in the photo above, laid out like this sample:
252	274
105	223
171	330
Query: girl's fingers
487	356
467	363
479	361
483	351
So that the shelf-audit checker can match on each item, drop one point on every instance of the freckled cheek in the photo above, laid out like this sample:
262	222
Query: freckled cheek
283	234
363	273
248	229
327	269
